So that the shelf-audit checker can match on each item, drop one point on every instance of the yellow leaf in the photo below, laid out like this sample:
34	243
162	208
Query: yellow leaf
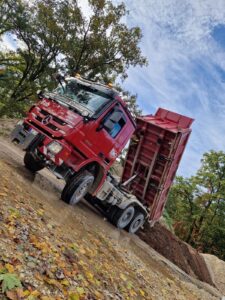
54	282
74	296
80	290
10	268
123	277
132	293
142	292
35	293
40	212
65	282
26	293
90	276
98	295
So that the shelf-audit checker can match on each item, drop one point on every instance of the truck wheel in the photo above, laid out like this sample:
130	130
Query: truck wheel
123	217
76	188
31	163
136	223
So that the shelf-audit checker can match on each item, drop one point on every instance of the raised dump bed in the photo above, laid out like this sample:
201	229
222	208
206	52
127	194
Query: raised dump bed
154	155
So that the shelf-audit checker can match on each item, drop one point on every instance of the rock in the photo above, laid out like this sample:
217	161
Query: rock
70	255
59	274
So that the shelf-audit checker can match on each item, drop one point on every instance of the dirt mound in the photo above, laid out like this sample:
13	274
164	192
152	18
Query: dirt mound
178	252
217	269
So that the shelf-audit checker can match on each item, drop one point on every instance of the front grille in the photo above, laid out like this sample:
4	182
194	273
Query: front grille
44	114
56	119
53	127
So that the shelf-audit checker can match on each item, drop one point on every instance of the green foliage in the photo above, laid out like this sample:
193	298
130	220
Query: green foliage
9	282
168	220
55	35
197	205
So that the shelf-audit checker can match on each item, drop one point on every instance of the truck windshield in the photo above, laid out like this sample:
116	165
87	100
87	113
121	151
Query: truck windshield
89	97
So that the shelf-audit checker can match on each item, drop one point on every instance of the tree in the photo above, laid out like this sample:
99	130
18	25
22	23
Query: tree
55	35
104	47
197	205
5	12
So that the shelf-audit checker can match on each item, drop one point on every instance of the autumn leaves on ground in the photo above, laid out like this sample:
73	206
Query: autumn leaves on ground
46	262
50	251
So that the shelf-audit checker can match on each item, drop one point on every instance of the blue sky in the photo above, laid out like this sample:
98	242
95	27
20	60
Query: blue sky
184	41
185	45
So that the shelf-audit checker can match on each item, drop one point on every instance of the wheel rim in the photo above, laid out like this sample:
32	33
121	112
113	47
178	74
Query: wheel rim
136	223
126	217
81	190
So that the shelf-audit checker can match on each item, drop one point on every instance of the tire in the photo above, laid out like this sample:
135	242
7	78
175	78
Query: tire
136	223
123	217
77	187
31	163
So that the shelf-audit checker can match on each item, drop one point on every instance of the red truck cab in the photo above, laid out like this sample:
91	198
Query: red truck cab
77	131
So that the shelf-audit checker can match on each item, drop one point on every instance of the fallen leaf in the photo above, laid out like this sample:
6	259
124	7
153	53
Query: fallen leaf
80	290
9	268
12	295
65	282
123	277
74	296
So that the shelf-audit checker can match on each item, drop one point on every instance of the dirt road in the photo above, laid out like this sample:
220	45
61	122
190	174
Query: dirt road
63	252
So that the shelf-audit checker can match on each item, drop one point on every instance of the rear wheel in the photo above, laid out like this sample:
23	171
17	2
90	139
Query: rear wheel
31	163
77	187
136	223
123	217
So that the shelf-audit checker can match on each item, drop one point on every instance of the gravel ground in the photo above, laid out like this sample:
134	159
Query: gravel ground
62	252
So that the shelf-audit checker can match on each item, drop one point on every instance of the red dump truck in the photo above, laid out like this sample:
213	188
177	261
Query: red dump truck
79	129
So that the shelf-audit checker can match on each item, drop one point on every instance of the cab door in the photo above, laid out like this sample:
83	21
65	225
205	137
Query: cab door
110	135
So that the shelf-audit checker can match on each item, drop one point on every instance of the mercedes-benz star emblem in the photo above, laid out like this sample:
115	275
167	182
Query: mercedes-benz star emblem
47	120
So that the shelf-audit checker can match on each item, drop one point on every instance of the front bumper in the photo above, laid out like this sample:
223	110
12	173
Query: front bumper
29	139
24	137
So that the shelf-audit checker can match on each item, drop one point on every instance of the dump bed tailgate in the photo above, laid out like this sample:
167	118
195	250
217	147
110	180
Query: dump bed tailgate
154	155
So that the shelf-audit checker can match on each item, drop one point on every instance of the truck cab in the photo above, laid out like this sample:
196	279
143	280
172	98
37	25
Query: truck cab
77	131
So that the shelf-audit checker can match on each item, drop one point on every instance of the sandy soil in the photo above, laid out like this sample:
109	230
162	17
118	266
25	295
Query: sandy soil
217	269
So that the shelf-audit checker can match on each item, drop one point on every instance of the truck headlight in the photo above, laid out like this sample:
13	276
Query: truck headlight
54	147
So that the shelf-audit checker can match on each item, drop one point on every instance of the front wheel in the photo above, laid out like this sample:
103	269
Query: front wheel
77	187
31	163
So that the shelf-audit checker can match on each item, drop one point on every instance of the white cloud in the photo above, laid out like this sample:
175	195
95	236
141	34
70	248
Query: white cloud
182	74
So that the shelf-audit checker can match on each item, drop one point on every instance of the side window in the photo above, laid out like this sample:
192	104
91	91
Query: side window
114	122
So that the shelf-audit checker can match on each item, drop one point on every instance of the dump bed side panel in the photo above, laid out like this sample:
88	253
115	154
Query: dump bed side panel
154	155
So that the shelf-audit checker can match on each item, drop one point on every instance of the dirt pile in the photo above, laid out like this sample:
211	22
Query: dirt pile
178	252
216	267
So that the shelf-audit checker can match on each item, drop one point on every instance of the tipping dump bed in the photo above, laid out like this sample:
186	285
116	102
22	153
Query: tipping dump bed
154	154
